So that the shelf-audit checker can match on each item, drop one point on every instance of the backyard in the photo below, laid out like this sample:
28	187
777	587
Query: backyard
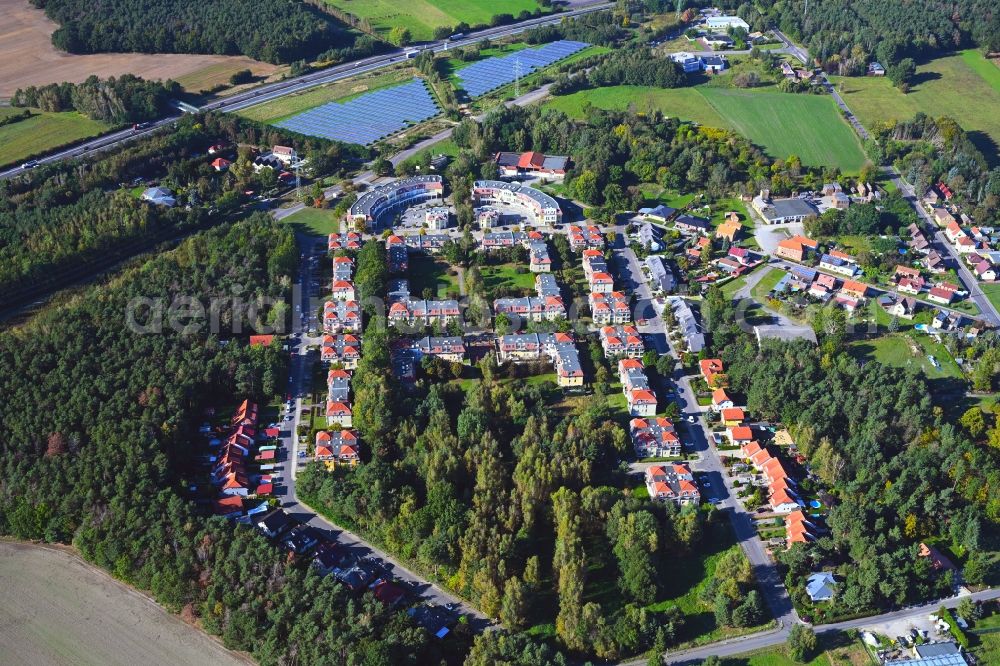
507	276
433	275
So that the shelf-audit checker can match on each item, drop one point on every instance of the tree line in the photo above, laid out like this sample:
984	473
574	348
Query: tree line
268	30
100	440
844	35
116	101
66	216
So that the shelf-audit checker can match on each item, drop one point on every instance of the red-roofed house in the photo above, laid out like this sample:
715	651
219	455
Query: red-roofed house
732	416
220	164
721	399
260	340
739	435
712	370
339	413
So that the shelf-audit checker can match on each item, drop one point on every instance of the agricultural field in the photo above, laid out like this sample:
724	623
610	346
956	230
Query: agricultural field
61	610
341	91
423	16
28	58
204	80
782	123
965	86
809	126
42	132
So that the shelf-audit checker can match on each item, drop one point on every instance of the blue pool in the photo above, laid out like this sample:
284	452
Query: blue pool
815	504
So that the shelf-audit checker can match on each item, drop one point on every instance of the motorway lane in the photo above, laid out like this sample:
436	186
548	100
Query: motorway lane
312	79
299	387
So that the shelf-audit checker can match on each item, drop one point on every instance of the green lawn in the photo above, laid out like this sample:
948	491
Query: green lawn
428	272
963	85
341	91
766	284
992	292
809	126
320	221
43	132
784	124
423	16
834	650
897	350
506	275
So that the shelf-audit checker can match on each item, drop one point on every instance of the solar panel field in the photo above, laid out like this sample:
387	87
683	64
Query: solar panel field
487	75
368	117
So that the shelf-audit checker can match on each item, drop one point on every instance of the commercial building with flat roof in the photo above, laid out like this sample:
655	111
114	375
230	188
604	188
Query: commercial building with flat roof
539	208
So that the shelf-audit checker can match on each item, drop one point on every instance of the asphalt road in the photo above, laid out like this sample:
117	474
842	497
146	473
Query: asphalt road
697	436
299	387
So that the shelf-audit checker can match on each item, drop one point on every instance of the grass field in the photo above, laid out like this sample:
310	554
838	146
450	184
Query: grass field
423	16
320	221
217	74
834	650
897	350
289	105
60	610
506	275
427	272
963	85
766	284
782	123
992	292
43	132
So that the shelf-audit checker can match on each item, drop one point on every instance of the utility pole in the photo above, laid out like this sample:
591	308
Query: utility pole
517	77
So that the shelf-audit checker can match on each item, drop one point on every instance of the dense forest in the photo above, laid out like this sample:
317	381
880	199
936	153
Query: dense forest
900	472
274	31
845	34
99	423
62	217
126	99
521	508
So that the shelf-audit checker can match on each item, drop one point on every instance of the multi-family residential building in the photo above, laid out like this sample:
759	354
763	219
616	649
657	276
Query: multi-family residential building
425	242
343	290
581	238
622	341
451	348
375	207
538	207
546	285
540	261
346	241
341	317
420	312
557	347
654	437
495	240
343	268
531	308
344	349
612	308
339	446
672	483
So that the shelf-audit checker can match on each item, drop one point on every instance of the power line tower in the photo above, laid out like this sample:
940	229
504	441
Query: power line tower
298	175
517	77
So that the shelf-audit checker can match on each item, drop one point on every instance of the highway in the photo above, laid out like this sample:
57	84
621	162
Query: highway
297	84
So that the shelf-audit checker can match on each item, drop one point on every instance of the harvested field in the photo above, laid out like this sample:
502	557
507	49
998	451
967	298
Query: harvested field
60	610
27	56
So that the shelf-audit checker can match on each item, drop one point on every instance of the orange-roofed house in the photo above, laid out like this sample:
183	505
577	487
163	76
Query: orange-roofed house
782	501
854	289
739	435
641	402
732	417
721	400
261	340
339	413
711	370
773	470
231	505
761	458
750	449
674	483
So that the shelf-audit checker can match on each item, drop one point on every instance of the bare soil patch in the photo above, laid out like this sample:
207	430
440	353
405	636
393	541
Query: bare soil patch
28	58
60	610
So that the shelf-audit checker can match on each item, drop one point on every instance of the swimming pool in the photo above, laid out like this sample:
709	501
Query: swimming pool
815	504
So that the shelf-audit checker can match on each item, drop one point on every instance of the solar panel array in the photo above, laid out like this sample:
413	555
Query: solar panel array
368	117
484	76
